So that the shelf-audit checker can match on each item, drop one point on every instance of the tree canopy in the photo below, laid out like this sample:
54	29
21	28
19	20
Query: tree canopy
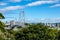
37	32
1	16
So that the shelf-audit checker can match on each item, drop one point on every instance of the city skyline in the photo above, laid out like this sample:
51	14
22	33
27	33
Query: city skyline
35	10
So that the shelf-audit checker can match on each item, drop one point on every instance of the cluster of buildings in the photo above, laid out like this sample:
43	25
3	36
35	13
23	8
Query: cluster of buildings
17	23
53	24
13	23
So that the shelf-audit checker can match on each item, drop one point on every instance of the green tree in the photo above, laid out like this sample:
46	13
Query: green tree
37	32
1	16
2	35
34	32
5	33
1	23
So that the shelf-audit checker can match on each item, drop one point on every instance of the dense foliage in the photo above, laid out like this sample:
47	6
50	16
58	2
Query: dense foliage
3	33
37	32
1	23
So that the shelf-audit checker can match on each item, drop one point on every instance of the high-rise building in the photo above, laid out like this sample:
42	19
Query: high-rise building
12	23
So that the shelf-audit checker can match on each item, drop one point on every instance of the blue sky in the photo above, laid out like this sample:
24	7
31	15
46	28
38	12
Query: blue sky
35	10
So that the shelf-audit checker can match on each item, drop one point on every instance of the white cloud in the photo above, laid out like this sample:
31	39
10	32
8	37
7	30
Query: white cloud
40	3
56	5
15	0
29	4
11	8
3	4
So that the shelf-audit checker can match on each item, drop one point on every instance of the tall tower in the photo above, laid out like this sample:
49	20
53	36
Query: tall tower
22	18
